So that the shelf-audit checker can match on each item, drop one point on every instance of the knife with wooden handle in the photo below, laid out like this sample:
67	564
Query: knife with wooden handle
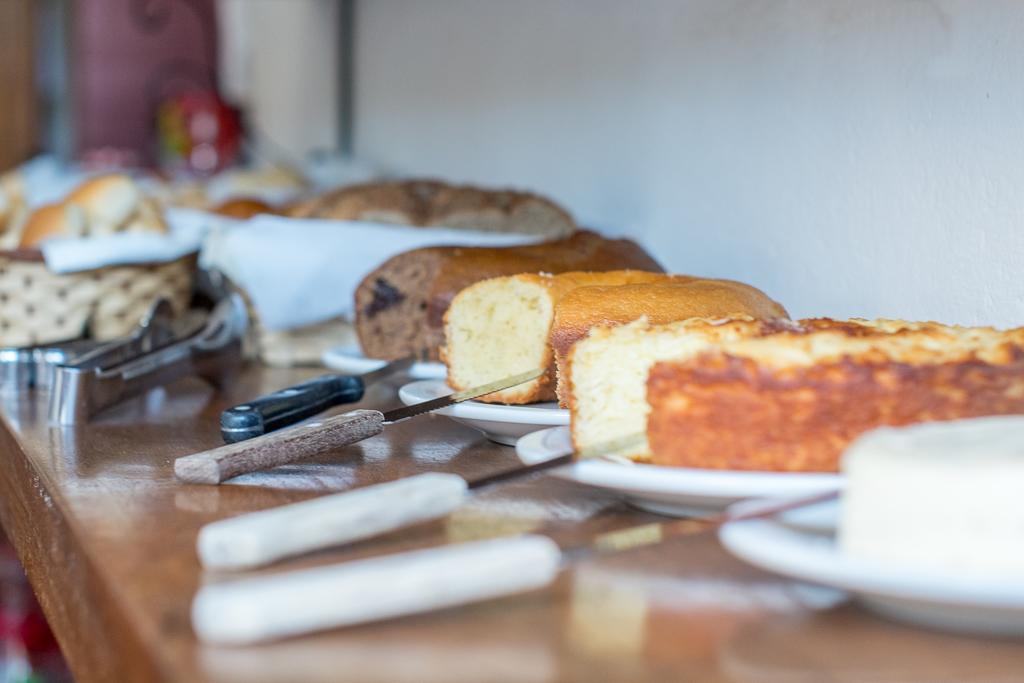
251	610
295	443
259	538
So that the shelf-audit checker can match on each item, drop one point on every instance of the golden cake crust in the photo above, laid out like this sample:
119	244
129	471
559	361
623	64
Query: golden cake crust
582	251
442	272
429	202
703	330
558	286
794	401
661	299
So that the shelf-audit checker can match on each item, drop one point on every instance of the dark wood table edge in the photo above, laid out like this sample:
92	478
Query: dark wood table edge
33	516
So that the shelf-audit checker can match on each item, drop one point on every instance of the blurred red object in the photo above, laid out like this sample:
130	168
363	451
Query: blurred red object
28	650
198	132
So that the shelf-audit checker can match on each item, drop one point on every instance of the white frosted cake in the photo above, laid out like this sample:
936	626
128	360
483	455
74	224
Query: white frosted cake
939	497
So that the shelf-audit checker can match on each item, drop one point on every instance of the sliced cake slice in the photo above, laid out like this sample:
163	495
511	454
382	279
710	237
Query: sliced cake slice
501	327
793	401
667	300
606	373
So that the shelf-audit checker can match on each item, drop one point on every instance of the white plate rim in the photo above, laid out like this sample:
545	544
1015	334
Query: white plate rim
349	358
776	547
425	389
636	477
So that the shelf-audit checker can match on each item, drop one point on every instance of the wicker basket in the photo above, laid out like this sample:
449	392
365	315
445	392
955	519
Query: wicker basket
38	306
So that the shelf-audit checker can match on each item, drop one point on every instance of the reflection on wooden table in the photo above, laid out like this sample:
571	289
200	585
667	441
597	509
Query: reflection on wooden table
108	539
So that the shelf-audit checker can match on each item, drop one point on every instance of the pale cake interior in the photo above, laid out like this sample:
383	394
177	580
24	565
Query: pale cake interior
495	329
608	375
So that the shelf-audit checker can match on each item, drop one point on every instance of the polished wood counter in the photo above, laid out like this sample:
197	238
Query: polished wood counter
107	538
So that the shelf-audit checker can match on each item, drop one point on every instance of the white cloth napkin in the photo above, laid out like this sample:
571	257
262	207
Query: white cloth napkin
187	228
48	179
303	271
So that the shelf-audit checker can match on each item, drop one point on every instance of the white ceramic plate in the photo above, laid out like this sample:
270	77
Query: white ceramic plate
817	518
948	602
677	491
501	423
351	361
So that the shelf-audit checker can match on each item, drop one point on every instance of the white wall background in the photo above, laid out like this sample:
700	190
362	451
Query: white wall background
279	60
851	157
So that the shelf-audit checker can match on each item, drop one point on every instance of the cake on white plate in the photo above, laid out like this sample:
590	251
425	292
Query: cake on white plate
795	400
502	326
607	373
941	498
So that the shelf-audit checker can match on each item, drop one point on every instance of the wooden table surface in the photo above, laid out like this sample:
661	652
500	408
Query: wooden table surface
107	538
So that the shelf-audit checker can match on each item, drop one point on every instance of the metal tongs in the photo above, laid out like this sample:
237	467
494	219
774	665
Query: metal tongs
29	367
151	357
34	367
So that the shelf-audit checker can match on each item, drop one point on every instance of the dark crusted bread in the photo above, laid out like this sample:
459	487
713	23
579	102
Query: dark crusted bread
435	203
793	401
400	306
400	203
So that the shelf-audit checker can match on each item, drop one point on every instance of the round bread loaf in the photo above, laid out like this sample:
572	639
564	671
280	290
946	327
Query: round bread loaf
398	203
108	201
664	299
243	207
438	204
103	205
400	305
52	220
13	206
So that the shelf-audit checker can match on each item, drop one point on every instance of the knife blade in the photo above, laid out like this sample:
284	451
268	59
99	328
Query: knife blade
642	535
288	445
260	538
296	403
251	610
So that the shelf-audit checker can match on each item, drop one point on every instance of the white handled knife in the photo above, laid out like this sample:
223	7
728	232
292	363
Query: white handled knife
259	538
262	608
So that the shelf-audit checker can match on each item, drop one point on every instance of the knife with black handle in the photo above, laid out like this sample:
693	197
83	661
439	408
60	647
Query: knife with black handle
288	406
303	441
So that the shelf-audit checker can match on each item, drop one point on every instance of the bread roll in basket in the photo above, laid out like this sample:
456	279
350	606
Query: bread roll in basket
39	306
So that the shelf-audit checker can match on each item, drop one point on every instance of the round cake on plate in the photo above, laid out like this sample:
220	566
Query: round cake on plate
939	497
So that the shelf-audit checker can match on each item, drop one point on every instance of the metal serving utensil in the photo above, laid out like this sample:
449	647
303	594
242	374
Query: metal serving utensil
110	375
33	366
